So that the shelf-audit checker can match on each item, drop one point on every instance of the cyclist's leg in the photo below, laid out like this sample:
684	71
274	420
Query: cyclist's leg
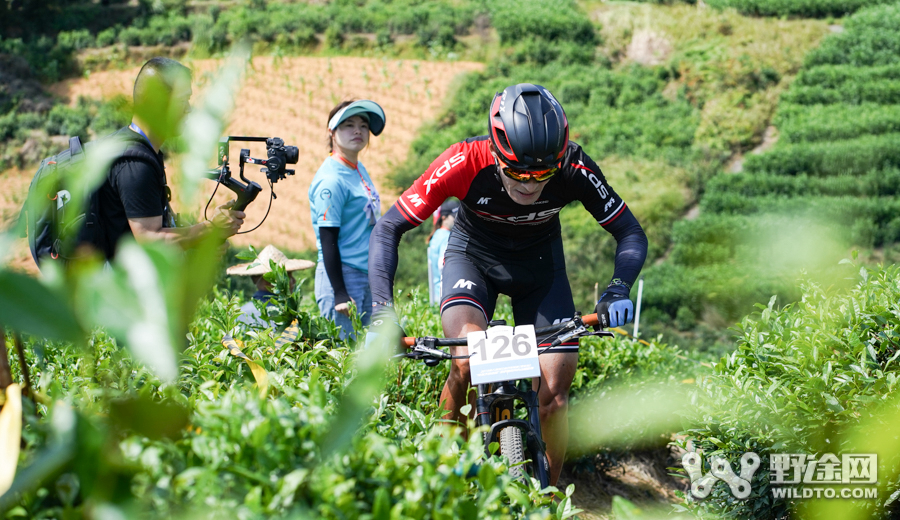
466	304
550	303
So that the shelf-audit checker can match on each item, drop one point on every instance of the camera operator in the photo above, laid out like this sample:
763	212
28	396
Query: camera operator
134	198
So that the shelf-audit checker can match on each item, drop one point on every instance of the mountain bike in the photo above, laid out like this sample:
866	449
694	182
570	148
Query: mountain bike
498	396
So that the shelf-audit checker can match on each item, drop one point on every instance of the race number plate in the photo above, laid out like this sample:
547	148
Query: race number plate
503	354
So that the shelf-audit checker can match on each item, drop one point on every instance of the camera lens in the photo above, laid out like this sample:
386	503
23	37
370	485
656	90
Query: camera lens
291	154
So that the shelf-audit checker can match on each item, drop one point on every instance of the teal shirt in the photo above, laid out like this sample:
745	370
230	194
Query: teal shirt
337	198
436	248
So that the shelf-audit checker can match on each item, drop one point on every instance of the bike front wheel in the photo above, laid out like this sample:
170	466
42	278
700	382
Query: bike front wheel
512	448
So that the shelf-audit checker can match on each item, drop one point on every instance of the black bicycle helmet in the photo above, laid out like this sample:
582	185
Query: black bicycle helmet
528	127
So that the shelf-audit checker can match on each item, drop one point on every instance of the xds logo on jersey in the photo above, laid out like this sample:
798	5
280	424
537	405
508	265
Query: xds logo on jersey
596	182
444	168
536	217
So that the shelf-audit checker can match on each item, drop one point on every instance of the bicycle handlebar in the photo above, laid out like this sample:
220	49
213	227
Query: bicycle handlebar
590	320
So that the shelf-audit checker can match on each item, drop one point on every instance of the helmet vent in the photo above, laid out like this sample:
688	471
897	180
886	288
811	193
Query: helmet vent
504	142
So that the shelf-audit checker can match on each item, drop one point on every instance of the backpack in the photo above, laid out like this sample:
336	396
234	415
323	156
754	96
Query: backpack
48	201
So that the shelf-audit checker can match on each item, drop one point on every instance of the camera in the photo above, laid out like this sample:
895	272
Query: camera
280	155
274	166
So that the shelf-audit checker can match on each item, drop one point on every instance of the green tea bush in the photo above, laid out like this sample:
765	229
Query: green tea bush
881	183
885	92
551	20
798	123
213	444
872	222
76	40
800	8
851	156
835	76
801	379
870	39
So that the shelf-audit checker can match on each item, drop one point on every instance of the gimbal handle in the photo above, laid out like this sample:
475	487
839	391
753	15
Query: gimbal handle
246	193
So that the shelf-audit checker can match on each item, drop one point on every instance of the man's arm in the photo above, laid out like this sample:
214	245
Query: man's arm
612	214
225	222
140	189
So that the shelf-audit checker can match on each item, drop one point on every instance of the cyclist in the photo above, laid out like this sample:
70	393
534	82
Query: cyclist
512	184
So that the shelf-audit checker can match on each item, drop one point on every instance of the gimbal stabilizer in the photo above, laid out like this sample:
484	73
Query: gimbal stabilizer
279	156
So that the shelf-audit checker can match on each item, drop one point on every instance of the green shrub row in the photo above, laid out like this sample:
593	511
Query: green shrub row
880	183
870	222
885	92
871	38
87	119
799	8
833	76
799	123
547	19
811	377
851	156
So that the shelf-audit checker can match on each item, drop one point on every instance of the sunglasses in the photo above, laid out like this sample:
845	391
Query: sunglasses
526	175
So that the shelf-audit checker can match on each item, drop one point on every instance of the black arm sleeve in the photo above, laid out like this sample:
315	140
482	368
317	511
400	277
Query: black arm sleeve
383	256
331	255
631	248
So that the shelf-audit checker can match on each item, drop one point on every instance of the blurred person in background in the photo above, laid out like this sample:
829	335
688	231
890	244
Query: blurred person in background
444	218
344	206
256	270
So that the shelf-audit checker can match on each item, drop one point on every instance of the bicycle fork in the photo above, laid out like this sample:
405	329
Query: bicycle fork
495	408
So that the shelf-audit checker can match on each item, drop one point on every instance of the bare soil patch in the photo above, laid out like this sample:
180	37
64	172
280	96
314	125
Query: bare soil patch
641	477
290	98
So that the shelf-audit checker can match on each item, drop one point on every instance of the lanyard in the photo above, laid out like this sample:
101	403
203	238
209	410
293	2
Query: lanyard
136	129
361	179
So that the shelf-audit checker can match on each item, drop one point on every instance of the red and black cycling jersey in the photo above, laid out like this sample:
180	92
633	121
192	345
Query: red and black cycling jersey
468	172
490	217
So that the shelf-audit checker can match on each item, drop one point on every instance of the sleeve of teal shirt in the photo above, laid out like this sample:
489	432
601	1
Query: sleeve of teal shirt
328	202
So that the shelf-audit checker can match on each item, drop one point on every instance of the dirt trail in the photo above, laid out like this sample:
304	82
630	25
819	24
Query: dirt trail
291	99
640	477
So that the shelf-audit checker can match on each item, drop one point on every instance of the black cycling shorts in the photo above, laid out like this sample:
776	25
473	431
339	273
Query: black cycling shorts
534	279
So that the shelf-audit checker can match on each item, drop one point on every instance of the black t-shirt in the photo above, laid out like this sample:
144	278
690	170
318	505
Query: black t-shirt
134	188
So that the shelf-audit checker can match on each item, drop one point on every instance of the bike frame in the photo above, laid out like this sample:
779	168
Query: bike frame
496	402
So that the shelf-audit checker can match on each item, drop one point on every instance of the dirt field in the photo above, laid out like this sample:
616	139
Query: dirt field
291	100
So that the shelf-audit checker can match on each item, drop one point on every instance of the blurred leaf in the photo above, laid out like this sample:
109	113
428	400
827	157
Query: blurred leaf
643	412
359	395
259	373
149	417
10	435
206	123
29	306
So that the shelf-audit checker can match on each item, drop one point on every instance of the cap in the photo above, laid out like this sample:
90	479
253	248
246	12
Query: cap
369	110
449	207
261	264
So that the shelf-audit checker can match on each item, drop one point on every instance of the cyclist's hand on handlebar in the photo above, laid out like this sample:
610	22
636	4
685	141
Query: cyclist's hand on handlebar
385	327
614	308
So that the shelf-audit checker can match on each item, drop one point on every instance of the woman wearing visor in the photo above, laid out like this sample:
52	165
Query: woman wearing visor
344	207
